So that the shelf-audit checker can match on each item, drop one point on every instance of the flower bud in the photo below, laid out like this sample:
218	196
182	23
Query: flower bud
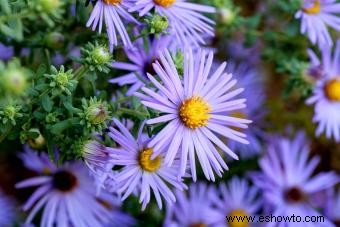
15	80
158	24
101	55
55	40
38	142
226	16
49	6
97	113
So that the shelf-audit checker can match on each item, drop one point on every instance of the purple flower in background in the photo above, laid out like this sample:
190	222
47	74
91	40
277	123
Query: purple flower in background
185	20
326	95
6	52
254	93
333	206
68	198
315	16
7	211
141	63
140	173
237	198
111	11
287	182
193	208
117	217
198	111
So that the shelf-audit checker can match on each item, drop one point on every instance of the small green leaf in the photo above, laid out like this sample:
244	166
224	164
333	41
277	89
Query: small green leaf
47	103
4	4
61	126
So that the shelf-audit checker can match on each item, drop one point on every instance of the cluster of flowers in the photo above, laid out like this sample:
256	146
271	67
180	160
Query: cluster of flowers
201	114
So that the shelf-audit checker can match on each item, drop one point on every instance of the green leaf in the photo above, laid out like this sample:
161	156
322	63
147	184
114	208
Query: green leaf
4	4
61	126
47	103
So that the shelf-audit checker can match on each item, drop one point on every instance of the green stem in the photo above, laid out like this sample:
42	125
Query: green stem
80	72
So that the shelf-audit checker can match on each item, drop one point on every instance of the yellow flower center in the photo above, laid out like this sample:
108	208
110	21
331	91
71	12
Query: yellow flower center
241	221
198	225
194	112
332	90
314	9
164	3
146	163
112	2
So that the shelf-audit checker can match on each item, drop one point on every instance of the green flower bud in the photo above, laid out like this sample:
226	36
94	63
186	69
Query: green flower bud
15	80
227	16
49	6
9	114
158	24
95	114
96	57
55	40
61	81
101	55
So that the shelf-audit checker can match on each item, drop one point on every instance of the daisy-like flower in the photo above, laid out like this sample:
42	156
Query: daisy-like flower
111	11
198	111
326	95
315	16
238	199
97	158
63	194
35	161
141	63
140	173
118	217
192	209
254	93
7	211
185	20
333	206
287	182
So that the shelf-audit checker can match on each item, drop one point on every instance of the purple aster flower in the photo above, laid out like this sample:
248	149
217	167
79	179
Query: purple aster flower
68	198
141	63
198	111
333	206
6	52
118	217
7	211
287	182
111	12
35	161
140	173
194	208
249	79
99	161
315	16
185	20
326	95
237	198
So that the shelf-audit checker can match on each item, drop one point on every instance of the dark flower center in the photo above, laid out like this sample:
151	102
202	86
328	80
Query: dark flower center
64	181
148	68
295	195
